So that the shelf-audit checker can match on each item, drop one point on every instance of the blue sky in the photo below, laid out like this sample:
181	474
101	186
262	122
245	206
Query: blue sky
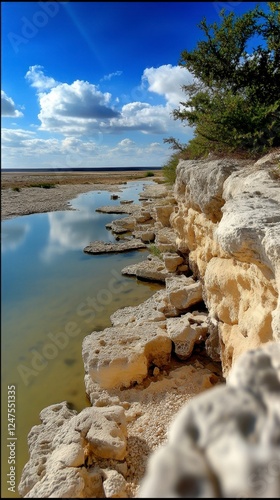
93	84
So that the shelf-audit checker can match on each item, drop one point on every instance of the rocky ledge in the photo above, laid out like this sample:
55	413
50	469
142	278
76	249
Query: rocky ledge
216	320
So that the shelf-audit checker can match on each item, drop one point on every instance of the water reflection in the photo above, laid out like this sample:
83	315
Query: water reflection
47	282
72	231
13	236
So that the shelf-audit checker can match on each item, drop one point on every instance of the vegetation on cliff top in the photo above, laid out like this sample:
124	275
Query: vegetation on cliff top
234	101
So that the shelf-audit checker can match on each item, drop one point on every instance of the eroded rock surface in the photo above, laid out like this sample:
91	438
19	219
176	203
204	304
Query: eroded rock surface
97	247
225	443
228	227
66	448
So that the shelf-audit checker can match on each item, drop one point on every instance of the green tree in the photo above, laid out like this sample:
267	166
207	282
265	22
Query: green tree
234	102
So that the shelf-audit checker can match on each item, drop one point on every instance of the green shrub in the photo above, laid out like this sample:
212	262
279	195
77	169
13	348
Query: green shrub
169	169
149	174
154	250
17	189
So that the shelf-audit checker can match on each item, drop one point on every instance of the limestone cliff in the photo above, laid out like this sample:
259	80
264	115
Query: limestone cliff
228	223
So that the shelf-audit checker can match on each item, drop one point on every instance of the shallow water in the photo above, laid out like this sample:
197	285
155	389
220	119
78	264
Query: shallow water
53	294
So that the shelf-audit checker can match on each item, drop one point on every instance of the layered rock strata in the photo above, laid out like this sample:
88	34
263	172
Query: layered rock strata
228	226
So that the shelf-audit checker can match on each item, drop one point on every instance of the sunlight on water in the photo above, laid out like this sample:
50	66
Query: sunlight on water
53	294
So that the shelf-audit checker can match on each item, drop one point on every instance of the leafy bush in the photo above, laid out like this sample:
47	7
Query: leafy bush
234	101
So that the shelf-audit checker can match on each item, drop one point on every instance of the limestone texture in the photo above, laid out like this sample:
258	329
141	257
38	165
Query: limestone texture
225	443
228	228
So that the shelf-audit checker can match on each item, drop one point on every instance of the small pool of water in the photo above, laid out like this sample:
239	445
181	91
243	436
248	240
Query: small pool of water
53	295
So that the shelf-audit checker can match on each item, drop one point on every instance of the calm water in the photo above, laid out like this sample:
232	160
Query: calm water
53	295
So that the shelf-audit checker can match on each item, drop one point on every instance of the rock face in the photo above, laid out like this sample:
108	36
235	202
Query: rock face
225	443
67	449
228	226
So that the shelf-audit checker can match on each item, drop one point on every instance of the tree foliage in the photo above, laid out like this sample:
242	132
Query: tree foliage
234	101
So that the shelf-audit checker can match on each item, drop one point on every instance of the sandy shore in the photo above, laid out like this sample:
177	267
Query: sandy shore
20	197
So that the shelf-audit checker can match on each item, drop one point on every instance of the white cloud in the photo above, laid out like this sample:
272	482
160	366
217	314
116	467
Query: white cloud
74	152
80	108
38	80
8	107
76	108
167	81
111	75
15	137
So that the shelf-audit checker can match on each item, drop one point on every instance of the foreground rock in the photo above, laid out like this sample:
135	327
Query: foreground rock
67	452
225	443
97	247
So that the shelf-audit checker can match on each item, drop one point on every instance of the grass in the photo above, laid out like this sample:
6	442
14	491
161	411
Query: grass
149	174
154	250
16	188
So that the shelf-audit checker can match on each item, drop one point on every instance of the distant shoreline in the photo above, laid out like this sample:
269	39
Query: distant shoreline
79	169
23	193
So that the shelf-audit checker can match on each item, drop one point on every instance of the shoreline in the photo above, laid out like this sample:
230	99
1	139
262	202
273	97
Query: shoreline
151	406
20	197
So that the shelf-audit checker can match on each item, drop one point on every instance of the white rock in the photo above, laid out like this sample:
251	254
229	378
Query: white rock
225	442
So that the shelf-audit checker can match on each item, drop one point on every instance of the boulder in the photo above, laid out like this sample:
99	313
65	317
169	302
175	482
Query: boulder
224	443
183	292
119	357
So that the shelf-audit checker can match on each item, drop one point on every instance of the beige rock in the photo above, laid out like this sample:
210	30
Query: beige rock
118	357
163	213
183	292
152	270
97	247
122	225
172	261
184	335
147	236
241	297
114	485
230	233
151	310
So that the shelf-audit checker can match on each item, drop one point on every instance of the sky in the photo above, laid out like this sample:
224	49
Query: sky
94	84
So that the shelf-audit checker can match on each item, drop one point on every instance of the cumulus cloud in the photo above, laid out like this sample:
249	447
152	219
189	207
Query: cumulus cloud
82	109
8	107
167	81
37	79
